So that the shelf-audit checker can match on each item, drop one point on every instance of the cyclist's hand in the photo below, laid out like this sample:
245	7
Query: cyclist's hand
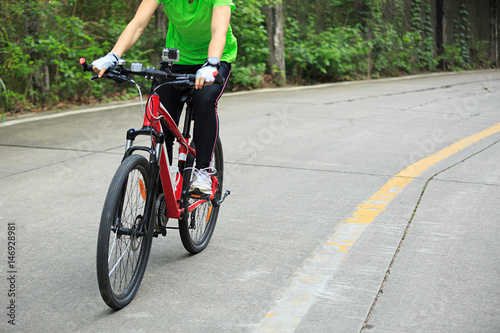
102	64
205	76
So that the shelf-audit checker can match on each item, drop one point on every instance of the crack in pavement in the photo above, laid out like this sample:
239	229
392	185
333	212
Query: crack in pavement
105	151
366	325
87	153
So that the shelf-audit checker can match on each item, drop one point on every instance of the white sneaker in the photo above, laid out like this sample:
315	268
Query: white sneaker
202	181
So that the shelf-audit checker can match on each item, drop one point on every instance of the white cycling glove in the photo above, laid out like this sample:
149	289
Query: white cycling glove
207	72
108	61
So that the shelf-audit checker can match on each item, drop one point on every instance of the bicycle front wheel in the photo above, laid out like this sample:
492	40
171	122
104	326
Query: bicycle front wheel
125	233
196	227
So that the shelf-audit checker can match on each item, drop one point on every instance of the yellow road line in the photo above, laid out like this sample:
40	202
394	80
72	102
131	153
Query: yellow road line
311	279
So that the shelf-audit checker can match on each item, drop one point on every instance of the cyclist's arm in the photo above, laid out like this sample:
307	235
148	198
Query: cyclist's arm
220	24
134	29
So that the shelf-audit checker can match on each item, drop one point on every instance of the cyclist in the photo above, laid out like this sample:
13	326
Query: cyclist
201	30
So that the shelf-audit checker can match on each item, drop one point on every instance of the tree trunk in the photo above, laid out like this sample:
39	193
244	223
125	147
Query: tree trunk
494	32
276	40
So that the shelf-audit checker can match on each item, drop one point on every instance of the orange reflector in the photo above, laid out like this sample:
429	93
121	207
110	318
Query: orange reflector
143	189
209	213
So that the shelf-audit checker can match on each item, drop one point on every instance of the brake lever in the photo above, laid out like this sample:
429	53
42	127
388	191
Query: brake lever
118	78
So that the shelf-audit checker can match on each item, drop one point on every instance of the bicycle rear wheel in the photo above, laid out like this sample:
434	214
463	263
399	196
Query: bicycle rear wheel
125	233
196	227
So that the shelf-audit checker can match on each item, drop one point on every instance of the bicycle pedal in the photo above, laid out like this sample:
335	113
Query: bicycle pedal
197	194
156	233
218	203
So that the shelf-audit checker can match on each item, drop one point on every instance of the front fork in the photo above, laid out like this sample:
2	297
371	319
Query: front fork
154	158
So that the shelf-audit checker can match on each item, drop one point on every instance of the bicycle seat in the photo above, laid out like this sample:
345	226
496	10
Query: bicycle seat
186	98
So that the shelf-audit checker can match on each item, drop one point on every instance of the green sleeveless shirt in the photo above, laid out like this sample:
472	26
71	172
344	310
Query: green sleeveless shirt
189	29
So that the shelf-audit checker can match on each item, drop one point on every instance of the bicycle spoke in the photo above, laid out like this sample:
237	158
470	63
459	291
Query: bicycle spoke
119	260
199	220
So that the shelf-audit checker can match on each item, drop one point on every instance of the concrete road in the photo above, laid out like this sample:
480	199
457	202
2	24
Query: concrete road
362	206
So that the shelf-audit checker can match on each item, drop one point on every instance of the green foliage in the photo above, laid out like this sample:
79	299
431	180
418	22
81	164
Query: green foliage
422	27
247	76
42	40
42	61
394	49
374	47
480	54
452	58
335	54
248	25
462	36
42	55
390	54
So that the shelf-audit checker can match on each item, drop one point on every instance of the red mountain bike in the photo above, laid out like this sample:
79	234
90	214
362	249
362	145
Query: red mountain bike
137	208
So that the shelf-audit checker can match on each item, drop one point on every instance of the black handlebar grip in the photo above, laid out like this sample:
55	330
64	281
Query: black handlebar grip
86	67
219	79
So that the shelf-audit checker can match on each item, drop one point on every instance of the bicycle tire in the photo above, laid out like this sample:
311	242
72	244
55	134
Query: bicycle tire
125	234
197	227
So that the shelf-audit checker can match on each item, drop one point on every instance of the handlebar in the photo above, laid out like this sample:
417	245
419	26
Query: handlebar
120	74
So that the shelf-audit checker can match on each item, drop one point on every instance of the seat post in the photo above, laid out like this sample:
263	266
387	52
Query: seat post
187	117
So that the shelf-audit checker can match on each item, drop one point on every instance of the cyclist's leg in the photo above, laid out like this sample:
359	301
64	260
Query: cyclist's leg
170	98
206	124
197	225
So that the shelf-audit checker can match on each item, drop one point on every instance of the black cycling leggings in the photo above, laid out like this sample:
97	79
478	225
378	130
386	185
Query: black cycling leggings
206	124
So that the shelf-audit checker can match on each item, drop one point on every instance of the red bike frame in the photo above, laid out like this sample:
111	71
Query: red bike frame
172	188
